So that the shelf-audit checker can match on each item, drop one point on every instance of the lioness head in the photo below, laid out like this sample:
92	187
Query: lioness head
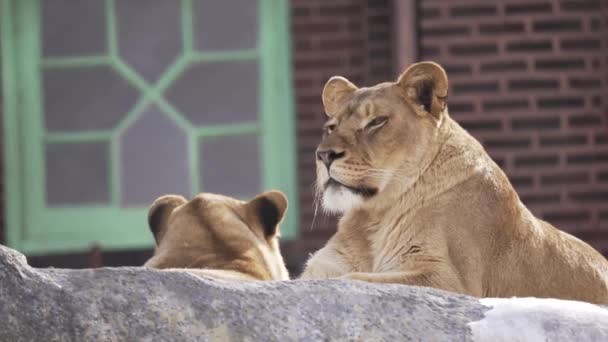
379	139
219	233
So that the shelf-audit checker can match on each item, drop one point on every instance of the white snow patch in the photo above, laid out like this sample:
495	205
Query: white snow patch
523	319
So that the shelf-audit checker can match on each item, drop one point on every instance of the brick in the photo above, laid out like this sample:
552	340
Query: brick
580	44
473	49
588	158
507	143
341	43
538	161
536	199
472	11
384	5
569	215
601	139
317	28
460	107
356	61
340	10
557	25
302	45
520	182
559	64
497	28
563	140
457	69
581	5
476	87
528	8
583	120
530	46
589	196
533	84
506	66
454	30
429	51
375	20
595	24
331	62
378	35
560	179
510	104
585	83
354	26
428	13
481	125
561	102
535	123
300	12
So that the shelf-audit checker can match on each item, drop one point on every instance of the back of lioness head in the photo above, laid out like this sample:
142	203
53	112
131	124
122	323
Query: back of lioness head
378	139
218	232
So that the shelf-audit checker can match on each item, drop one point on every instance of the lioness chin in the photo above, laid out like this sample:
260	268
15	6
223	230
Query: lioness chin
423	204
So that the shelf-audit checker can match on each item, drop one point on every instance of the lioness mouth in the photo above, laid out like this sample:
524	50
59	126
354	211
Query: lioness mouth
365	192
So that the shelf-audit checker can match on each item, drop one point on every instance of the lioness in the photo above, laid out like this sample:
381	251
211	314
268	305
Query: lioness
219	236
423	204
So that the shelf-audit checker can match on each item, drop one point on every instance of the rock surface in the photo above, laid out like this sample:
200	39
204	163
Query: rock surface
135	304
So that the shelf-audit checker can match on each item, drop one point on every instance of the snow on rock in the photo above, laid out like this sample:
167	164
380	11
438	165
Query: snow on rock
534	319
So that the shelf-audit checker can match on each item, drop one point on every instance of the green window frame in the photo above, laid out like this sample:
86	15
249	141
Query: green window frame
35	228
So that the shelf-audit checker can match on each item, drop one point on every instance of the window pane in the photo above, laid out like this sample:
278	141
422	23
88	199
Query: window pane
149	35
77	173
73	28
231	165
80	99
153	159
225	24
217	93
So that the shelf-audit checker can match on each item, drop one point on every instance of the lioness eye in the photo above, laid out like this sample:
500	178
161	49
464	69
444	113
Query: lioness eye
377	122
330	128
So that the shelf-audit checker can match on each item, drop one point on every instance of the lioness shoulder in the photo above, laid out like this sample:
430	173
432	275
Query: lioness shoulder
219	236
423	204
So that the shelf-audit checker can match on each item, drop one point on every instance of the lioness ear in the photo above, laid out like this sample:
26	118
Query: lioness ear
336	94
158	214
425	84
269	208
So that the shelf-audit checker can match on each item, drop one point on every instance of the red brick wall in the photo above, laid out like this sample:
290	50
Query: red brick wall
352	38
529	79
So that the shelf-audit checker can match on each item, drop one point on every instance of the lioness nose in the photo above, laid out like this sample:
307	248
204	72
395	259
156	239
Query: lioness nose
328	156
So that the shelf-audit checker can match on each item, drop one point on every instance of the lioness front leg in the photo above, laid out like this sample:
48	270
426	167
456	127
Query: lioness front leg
431	278
325	263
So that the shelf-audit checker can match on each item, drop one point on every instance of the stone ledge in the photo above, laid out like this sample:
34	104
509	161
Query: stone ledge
131	303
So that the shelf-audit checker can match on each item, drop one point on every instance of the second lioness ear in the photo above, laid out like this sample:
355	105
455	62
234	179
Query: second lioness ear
336	94
425	85
159	212
269	209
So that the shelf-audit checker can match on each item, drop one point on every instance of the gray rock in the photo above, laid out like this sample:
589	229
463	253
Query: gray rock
135	304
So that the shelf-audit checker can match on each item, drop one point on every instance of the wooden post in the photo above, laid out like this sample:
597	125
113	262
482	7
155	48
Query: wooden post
406	32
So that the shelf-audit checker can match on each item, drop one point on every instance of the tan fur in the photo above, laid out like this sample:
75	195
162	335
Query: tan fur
427	206
218	236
